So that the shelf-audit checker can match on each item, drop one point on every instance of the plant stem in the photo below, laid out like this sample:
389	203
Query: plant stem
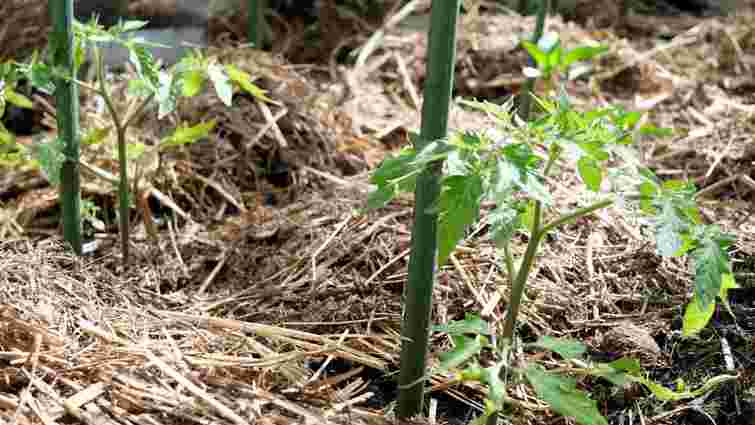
537	234
525	96
517	289
573	215
509	261
123	190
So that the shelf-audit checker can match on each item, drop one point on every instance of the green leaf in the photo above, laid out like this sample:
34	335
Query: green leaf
504	220
246	83
711	264
505	180
6	138
549	42
132	25
186	135
459	205
627	364
688	244
566	348
563	396
145	64
221	82
465	348
473	372
590	172
95	136
651	130
521	155
135	150
192	82
540	57
398	170
491	376
533	187
17	99
675	185
436	150
595	149
614	376
140	88
380	197
51	158
668	237
696	317
727	282
472	324
166	95
616	371
554	58
582	53
459	163
145	43
648	191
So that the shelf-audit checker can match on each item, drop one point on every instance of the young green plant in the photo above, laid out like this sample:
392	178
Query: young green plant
152	85
508	166
470	361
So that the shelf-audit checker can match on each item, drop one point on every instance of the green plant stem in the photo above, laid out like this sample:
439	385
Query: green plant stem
573	215
536	234
536	237
123	190
525	96
522	274
509	262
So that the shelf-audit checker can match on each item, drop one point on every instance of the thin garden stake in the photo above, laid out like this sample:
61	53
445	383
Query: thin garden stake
67	106
255	22
522	7
418	303
525	96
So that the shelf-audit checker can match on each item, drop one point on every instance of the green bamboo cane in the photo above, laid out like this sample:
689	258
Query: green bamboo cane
525	97
422	263
121	7
67	106
522	7
255	24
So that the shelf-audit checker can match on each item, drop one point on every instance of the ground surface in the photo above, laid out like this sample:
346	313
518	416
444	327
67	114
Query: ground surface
267	296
